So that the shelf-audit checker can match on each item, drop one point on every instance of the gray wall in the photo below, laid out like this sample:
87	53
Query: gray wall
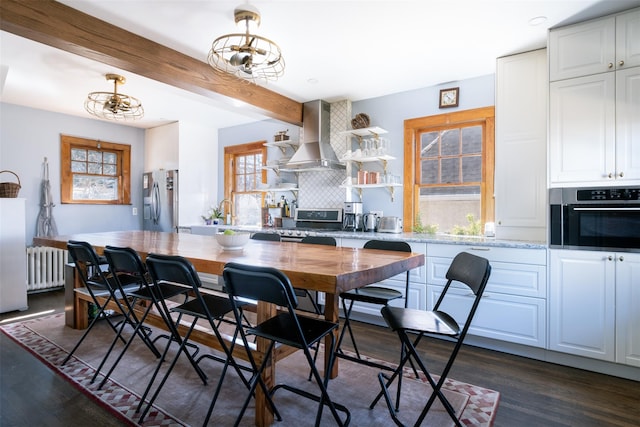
28	135
388	112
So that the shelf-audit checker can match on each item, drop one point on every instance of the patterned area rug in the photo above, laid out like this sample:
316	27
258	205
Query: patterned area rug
48	339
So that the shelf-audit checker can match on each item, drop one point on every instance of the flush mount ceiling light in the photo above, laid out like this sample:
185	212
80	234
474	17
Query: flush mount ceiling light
247	55
114	105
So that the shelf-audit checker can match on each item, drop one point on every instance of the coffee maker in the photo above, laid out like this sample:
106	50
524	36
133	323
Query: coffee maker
352	219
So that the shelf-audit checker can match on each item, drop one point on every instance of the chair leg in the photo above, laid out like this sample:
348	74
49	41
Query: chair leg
347	328
411	353
323	383
126	347
100	312
256	380
130	318
169	369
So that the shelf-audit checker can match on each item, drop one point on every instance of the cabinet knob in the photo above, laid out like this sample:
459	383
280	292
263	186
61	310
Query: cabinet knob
610	258
610	175
621	63
621	258
621	174
610	64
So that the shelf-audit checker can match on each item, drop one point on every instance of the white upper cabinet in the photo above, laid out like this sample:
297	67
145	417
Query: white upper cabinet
594	102
605	44
628	40
521	146
628	124
582	49
582	129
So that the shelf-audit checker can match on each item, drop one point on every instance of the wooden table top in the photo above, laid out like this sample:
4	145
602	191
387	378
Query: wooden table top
315	267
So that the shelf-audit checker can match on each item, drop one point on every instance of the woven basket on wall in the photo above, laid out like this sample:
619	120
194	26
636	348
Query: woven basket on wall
9	190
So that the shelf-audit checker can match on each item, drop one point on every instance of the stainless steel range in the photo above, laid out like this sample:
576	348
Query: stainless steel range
311	221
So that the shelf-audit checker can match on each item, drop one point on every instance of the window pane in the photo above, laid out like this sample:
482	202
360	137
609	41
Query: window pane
472	169
94	188
240	183
78	154
429	172
250	164
450	171
95	168
472	140
78	167
240	167
250	183
95	156
109	158
109	169
429	144
451	142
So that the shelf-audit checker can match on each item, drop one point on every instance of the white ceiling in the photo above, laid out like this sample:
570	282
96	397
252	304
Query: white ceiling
333	49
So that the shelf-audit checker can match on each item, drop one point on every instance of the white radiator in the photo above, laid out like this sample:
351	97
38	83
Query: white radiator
45	267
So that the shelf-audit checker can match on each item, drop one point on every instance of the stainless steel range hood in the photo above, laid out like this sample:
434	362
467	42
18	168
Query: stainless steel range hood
315	153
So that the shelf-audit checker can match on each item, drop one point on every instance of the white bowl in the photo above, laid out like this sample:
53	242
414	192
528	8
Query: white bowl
232	242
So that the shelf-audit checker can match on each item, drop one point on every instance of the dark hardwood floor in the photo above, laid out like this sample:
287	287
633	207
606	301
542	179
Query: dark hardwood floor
533	393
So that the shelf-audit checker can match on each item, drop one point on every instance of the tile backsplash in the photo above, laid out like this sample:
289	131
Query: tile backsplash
322	189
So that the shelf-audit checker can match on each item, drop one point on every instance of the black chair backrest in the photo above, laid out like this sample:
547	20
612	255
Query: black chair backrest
471	270
271	237
259	283
388	245
124	260
83	254
319	240
173	269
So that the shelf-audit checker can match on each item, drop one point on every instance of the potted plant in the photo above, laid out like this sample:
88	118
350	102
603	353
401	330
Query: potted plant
213	216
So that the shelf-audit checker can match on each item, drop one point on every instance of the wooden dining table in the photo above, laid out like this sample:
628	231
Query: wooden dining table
322	268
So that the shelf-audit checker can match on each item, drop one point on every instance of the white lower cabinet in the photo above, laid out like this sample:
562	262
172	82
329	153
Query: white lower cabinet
628	309
513	307
581	303
595	305
417	287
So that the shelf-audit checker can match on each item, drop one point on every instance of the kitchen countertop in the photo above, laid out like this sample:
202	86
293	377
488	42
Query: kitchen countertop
408	237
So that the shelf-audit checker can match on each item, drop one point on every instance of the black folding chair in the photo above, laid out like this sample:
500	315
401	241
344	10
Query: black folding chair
176	270
125	262
104	288
466	269
371	294
268	237
314	240
304	293
286	327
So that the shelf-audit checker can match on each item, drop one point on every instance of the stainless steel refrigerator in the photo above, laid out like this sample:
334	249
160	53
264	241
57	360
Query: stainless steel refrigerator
160	198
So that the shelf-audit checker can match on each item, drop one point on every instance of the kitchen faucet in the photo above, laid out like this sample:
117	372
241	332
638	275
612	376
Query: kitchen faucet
230	218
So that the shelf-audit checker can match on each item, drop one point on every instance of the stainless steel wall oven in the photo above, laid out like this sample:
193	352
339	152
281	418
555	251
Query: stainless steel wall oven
595	218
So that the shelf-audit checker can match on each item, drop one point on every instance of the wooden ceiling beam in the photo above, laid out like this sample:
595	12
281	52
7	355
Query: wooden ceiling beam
65	28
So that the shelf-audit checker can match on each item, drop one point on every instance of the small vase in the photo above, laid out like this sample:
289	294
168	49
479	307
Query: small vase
207	222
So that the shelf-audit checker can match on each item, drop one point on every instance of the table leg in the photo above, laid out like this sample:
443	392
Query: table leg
264	416
331	314
76	309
